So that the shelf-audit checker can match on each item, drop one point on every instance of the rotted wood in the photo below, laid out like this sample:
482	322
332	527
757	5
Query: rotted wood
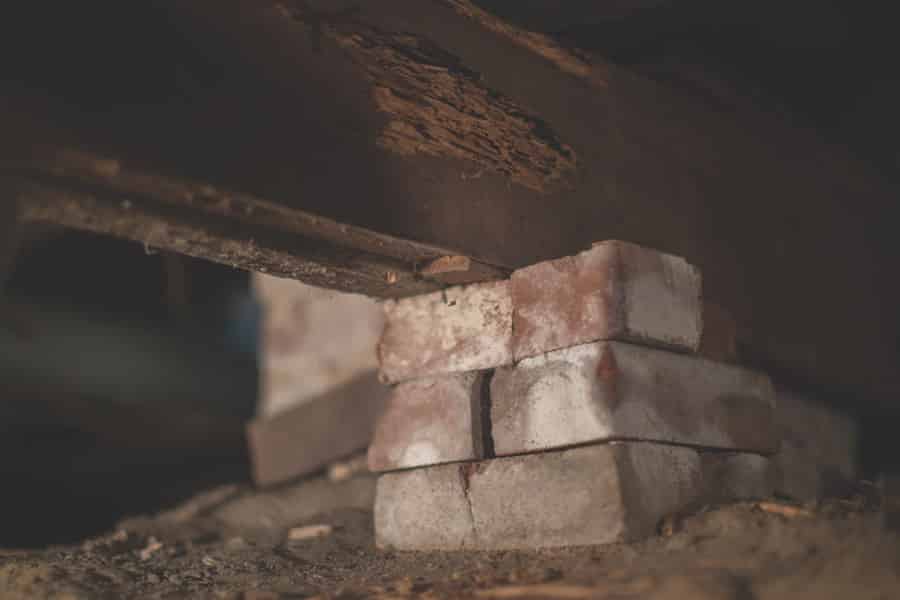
439	122
84	191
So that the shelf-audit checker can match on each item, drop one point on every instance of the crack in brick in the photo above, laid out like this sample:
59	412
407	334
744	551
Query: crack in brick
466	471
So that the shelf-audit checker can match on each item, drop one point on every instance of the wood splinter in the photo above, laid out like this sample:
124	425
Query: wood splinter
785	510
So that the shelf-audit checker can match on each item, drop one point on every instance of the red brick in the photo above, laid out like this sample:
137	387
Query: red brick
466	328
614	291
430	421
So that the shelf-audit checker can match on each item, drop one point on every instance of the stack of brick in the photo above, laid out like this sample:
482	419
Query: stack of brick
567	405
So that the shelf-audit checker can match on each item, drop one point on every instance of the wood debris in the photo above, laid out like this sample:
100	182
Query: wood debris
309	532
542	590
153	545
785	510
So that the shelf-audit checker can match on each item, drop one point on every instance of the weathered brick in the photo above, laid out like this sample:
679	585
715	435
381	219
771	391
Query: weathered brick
729	476
615	290
430	421
305	439
467	328
613	390
818	454
313	340
423	509
590	495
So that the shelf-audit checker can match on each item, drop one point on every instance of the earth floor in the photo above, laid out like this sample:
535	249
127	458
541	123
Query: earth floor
233	543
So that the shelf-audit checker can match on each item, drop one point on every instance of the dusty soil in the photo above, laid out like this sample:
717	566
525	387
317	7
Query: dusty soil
233	543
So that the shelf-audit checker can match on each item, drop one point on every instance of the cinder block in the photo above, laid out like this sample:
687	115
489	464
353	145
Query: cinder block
467	328
430	421
614	291
613	390
590	495
818	454
423	509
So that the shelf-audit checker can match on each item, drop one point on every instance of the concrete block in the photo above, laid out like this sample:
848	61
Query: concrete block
430	421
613	390
467	328
590	495
423	509
818	454
307	438
614	291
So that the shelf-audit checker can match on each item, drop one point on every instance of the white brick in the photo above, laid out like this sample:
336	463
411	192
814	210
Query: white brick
313	340
591	495
597	494
430	421
613	390
423	509
467	328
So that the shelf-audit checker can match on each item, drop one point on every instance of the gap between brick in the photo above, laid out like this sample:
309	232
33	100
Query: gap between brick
482	435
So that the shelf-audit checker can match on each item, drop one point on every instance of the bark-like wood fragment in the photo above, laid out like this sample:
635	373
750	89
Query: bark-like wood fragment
439	107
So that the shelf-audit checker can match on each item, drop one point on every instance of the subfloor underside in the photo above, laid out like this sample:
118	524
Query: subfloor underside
235	543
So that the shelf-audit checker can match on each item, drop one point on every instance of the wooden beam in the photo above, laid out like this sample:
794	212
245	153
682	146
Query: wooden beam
84	191
437	122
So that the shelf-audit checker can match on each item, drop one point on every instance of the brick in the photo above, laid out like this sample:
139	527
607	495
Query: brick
613	390
614	291
818	454
312	340
307	438
466	328
590	495
430	421
730	476
719	340
423	509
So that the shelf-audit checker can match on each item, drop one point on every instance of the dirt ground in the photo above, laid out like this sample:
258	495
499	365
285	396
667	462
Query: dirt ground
234	543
